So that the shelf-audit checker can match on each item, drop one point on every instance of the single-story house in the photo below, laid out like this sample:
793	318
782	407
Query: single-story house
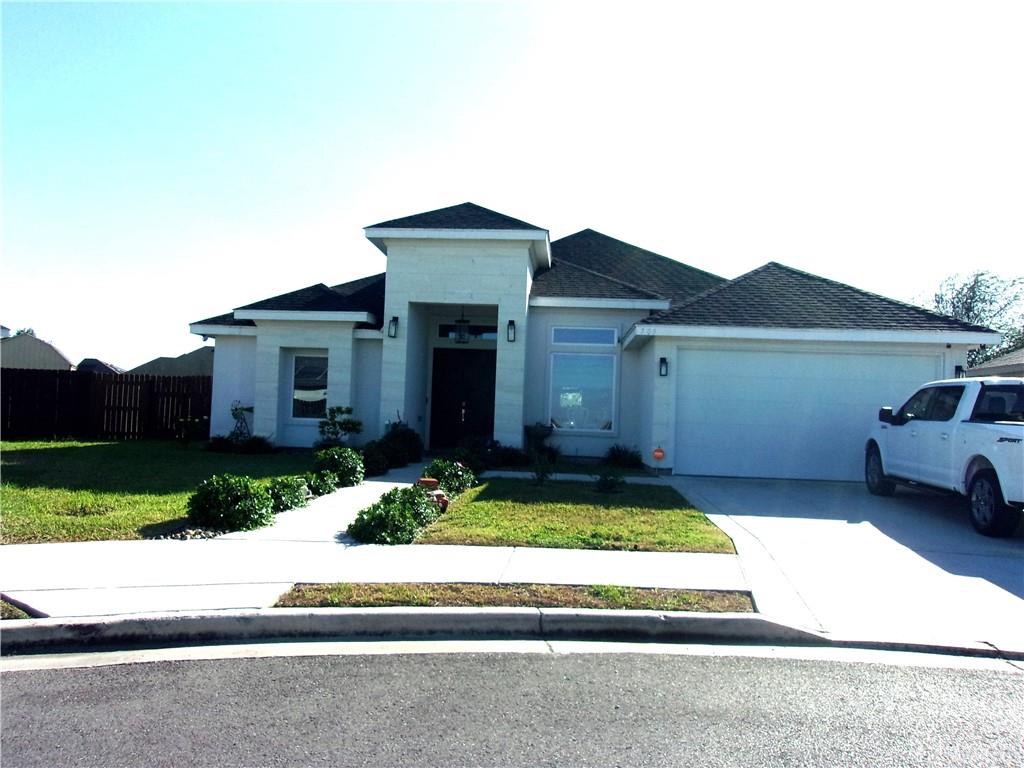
482	325
94	365
1010	364
198	362
26	351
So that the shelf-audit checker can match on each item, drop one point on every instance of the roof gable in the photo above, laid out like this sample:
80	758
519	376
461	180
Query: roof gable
632	265
777	296
462	216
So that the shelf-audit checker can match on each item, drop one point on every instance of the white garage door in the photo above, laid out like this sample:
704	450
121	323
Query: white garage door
786	412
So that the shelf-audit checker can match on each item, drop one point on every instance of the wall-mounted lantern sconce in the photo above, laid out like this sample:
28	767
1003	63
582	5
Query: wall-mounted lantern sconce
510	332
393	327
958	372
663	366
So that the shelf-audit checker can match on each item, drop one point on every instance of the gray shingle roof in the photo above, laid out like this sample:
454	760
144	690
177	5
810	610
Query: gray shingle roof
633	266
363	295
777	296
462	216
567	280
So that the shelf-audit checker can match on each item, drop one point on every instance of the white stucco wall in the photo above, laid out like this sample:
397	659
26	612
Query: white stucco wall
234	366
476	273
630	376
366	388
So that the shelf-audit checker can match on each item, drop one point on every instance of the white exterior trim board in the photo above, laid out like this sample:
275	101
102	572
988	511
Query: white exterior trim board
640	333
281	314
213	331
581	303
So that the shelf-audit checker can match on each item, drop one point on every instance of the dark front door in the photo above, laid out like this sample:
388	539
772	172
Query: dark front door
461	396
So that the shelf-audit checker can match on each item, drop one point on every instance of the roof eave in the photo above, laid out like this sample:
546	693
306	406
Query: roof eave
295	314
598	303
540	244
640	333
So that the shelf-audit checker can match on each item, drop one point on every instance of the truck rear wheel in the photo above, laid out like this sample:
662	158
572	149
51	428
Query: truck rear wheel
990	514
874	474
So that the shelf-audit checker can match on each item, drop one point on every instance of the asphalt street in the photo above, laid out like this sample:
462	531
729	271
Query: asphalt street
513	710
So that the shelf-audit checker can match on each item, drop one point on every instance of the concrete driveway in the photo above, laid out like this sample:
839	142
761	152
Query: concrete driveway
831	557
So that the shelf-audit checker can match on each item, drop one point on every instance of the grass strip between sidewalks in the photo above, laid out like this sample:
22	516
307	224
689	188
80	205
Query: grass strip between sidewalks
447	595
504	512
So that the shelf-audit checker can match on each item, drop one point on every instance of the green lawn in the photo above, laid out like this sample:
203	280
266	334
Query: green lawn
74	491
507	512
511	595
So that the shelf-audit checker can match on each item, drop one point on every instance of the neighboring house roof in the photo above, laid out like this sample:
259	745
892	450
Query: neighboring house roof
462	216
566	279
1010	364
27	351
777	296
198	362
363	295
638	267
92	365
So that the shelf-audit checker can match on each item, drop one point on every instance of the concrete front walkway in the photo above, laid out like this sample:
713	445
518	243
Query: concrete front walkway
252	569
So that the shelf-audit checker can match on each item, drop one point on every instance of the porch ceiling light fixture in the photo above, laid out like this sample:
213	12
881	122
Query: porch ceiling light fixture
510	332
462	328
663	366
393	327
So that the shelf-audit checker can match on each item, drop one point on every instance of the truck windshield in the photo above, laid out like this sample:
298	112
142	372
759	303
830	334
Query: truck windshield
1000	402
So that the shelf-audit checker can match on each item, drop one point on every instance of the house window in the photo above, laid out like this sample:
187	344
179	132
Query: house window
604	337
582	392
309	387
476	332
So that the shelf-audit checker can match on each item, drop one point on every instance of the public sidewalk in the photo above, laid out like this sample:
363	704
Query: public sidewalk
250	570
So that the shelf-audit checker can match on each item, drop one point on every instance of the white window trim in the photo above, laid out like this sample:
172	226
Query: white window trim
614	431
292	354
610	345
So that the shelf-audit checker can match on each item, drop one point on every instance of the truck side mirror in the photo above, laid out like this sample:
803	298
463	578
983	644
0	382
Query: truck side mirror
885	415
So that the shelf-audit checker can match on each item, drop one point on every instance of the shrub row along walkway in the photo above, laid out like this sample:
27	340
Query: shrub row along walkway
252	569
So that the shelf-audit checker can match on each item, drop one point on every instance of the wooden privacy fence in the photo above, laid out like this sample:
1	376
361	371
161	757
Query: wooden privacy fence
46	404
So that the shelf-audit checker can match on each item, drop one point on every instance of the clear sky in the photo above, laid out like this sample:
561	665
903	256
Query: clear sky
163	163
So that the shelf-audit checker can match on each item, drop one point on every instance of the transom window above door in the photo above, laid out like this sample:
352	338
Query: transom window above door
475	332
591	337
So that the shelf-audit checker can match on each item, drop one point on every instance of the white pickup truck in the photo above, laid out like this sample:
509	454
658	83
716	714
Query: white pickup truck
962	435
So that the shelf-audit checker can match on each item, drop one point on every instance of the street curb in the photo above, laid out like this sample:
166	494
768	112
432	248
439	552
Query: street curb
92	633
32	636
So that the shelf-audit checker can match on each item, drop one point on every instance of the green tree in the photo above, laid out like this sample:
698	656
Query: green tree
25	332
984	298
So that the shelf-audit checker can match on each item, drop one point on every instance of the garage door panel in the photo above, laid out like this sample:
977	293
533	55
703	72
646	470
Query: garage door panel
785	413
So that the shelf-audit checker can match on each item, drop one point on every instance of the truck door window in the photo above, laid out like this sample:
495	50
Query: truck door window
1003	402
917	406
944	403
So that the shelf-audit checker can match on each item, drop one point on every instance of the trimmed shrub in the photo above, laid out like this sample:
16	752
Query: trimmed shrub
624	456
255	444
401	444
395	518
346	463
470	459
507	456
609	480
288	492
231	503
220	444
321	483
374	461
453	477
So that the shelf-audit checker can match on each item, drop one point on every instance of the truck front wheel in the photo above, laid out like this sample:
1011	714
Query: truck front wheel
874	474
990	515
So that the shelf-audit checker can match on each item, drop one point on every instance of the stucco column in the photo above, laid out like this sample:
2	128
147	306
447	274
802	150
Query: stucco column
340	351
392	367
663	427
268	375
510	376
